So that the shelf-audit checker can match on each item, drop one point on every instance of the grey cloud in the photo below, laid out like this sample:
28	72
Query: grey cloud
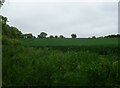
84	19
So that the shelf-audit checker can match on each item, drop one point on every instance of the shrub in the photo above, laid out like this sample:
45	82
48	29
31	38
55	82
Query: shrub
8	41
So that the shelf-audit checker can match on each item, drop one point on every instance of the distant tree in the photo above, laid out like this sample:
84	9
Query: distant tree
1	2
93	37
56	36
101	37
34	37
113	36
42	35
118	35
61	36
3	20
73	35
51	36
11	32
38	36
15	32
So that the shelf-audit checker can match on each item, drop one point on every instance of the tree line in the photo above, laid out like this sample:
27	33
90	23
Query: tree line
14	33
44	35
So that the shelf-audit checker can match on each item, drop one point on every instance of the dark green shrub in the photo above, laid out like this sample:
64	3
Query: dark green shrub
6	41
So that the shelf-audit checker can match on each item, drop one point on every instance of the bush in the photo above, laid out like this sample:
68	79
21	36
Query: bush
7	41
16	42
44	66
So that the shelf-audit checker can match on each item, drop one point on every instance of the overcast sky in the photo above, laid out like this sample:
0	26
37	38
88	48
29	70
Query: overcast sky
85	19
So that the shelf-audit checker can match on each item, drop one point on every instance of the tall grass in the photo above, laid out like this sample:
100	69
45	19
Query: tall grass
30	66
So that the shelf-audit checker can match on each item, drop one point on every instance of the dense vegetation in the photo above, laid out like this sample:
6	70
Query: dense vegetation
57	61
47	66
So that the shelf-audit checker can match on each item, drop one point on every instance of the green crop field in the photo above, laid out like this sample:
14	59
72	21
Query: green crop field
70	42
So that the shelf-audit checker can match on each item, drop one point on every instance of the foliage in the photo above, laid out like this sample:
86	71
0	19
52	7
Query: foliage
3	20
73	35
113	36
8	41
93	37
56	36
11	32
51	36
61	36
33	66
15	32
1	2
42	35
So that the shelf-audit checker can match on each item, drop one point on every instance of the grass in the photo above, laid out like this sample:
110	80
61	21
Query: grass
70	42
